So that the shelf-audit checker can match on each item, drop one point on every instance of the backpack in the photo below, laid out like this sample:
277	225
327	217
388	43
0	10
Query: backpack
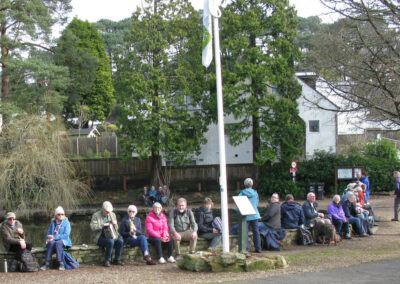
28	262
305	237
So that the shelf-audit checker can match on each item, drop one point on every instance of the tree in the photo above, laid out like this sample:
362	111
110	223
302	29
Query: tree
159	82
34	171
25	24
81	49
259	85
360	57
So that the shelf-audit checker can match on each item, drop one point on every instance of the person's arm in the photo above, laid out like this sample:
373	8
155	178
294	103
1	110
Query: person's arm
302	217
171	222
125	230
150	229
308	211
7	237
96	224
64	232
50	231
346	210
138	226
193	221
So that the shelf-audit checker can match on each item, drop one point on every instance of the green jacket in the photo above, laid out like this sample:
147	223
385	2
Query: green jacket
97	224
180	222
9	234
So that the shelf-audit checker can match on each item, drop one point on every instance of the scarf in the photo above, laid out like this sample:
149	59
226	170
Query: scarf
58	225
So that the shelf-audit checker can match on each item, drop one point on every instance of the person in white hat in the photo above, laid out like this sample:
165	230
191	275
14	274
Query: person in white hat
13	235
102	220
131	231
57	238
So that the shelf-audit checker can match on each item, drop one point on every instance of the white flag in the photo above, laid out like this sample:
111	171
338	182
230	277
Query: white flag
207	36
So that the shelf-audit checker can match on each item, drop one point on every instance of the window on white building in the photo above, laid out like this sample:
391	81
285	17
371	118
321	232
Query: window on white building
313	125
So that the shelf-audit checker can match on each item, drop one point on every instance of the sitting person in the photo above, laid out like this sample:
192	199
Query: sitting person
162	194
350	188
292	215
339	219
57	238
272	217
157	233
13	237
152	195
310	209
252	220
350	211
131	231
102	222
270	227
183	226
205	222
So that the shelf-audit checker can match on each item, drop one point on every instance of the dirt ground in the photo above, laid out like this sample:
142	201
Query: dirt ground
385	244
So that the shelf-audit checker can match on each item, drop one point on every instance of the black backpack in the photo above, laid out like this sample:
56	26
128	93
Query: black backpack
28	262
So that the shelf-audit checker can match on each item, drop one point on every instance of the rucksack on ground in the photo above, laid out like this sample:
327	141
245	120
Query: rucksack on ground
28	262
305	237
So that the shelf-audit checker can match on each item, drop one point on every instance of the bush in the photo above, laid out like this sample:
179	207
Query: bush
107	154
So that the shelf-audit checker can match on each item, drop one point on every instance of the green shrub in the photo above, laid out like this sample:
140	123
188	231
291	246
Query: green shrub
107	154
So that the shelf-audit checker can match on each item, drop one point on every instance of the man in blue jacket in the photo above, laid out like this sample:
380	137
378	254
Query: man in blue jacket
310	209
292	215
252	219
396	176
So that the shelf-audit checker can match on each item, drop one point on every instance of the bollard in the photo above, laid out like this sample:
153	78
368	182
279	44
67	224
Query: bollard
5	266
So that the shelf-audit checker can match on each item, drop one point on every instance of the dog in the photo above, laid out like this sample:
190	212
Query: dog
325	232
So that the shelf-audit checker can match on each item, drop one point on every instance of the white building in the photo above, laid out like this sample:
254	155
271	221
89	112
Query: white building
321	130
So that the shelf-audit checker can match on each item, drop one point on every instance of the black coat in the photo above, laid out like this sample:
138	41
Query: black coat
204	221
272	217
292	215
309	212
349	209
125	229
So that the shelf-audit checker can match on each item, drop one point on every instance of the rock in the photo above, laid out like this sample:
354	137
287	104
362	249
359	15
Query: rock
194	262
259	264
280	261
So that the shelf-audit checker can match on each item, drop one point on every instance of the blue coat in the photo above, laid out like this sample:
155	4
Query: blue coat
253	197
365	180
292	215
63	232
397	186
125	229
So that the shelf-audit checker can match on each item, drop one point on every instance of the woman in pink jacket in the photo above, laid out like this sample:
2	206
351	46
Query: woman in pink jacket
157	233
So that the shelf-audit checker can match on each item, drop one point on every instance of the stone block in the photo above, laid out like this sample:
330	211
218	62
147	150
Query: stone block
259	264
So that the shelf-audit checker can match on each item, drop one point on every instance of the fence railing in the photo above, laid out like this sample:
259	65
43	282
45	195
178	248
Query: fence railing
92	147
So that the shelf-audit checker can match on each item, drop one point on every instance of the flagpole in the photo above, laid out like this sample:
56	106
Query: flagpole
221	134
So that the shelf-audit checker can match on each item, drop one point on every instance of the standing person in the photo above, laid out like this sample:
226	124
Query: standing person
365	180
157	233
205	223
396	195
13	236
183	226
131	231
57	238
106	220
310	209
252	220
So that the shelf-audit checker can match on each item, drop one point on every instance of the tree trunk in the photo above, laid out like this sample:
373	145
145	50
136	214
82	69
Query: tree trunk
157	177
256	148
5	78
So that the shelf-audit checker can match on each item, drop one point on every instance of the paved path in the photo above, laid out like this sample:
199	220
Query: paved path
387	271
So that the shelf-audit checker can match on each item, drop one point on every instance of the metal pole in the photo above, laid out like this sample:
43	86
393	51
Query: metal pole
221	135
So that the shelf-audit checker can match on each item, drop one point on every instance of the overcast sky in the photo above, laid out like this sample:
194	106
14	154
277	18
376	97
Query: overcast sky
94	10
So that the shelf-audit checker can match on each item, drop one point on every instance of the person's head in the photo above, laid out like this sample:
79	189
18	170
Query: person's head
107	208
396	174
59	213
275	197
165	186
289	197
336	199
153	187
10	216
363	173
311	197
132	211
248	183
350	186
145	188
181	204
160	187
208	204
364	187
351	197
358	174
157	208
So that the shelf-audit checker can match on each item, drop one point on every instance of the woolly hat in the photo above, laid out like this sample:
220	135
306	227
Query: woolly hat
59	210
107	206
10	215
132	208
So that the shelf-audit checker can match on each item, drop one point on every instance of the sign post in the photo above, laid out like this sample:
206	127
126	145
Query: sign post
293	170
245	209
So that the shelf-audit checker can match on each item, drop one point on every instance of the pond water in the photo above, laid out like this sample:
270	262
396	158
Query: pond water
36	230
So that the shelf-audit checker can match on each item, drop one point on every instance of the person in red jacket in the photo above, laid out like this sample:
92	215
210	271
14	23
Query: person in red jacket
157	233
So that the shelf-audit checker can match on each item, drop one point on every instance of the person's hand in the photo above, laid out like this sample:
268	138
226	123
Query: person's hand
50	237
106	225
177	237
113	222
194	235
165	239
22	244
344	220
215	231
395	196
20	231
321	215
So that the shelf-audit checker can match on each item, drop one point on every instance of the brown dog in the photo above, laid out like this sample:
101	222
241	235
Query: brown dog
325	232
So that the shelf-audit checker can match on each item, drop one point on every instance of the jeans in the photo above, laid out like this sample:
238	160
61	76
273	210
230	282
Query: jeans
357	221
256	235
109	244
57	247
158	245
140	241
216	239
396	207
338	226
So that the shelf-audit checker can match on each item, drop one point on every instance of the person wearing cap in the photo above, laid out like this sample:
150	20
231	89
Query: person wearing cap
100	220
57	238
157	233
131	231
13	235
